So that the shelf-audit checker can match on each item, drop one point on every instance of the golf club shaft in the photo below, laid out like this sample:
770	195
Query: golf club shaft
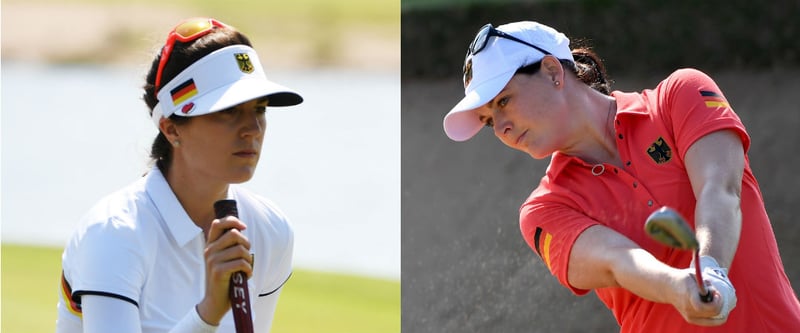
668	227
705	295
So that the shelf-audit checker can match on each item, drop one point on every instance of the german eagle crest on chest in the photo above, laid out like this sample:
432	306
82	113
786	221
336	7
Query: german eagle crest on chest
659	151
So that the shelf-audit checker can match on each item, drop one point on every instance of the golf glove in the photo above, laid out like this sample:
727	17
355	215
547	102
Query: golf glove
717	277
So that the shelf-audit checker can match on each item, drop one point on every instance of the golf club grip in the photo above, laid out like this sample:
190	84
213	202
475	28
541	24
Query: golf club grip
238	293
705	295
707	298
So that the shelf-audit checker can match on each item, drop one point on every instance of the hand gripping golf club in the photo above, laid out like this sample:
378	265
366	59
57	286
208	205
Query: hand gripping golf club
668	227
238	292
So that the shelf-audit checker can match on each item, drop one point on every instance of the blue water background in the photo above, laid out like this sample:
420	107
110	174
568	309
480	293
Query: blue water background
73	134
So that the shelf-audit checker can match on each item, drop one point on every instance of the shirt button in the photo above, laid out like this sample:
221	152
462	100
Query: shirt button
620	136
598	169
635	184
650	203
628	163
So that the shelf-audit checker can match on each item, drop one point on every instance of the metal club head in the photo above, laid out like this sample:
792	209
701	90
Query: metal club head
668	227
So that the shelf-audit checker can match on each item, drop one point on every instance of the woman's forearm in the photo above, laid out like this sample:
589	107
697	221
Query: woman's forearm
718	218
715	164
602	258
642	274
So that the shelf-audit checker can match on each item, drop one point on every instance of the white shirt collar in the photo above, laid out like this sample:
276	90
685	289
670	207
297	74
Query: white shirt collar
179	224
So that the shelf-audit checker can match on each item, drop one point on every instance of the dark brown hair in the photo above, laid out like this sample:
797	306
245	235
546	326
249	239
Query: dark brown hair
183	55
587	67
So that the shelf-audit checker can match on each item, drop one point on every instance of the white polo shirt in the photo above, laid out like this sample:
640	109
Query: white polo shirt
140	246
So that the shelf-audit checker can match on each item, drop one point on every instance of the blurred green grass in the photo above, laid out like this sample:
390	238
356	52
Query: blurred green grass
310	302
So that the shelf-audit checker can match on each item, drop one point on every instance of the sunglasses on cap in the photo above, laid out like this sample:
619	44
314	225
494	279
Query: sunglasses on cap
186	31
480	42
482	38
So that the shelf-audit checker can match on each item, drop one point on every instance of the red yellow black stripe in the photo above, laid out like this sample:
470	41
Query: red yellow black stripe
713	99
542	247
66	293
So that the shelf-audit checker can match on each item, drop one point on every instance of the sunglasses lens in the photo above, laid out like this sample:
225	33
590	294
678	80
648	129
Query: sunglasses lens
193	27
480	39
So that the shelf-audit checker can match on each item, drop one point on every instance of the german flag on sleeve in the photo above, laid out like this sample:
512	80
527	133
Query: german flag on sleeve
541	241
713	99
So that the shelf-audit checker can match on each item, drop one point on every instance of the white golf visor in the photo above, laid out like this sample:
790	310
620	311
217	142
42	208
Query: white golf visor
222	79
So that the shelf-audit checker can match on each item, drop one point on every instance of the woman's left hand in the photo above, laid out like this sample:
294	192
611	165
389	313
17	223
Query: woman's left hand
227	251
691	307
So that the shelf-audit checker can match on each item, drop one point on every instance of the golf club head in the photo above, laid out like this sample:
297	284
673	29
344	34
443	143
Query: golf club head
668	227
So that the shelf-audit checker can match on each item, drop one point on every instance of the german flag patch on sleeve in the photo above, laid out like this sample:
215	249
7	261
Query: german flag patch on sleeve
713	99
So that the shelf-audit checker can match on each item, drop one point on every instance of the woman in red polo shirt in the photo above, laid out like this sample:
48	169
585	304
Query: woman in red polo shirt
615	158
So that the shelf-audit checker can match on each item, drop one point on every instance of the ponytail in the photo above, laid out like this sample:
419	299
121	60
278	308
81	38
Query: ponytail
589	69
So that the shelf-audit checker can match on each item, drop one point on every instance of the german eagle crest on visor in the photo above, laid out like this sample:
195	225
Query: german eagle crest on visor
243	59
467	72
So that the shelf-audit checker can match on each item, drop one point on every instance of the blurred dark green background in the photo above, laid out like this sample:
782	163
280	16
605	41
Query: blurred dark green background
632	36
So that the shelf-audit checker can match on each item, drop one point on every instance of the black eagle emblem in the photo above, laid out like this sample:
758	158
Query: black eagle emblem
467	72
659	151
243	59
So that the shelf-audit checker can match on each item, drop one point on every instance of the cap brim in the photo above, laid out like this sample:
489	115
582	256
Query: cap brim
242	91
462	123
224	78
249	89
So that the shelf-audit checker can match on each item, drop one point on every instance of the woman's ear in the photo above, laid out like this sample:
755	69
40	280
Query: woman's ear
170	130
553	70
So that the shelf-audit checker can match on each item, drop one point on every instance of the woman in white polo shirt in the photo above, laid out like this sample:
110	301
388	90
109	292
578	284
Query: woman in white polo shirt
152	257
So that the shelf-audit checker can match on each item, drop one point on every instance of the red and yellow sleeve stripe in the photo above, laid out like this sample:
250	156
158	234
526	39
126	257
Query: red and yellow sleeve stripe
66	293
543	245
713	99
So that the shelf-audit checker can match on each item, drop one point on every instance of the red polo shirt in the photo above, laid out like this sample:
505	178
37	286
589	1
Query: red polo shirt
654	130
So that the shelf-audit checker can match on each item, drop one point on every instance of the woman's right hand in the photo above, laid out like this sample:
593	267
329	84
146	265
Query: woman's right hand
688	303
227	251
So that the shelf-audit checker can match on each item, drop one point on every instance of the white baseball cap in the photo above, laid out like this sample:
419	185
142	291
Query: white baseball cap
490	65
224	78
